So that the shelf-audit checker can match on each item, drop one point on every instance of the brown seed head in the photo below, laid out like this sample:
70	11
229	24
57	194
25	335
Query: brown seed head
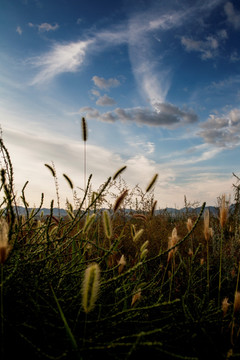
152	182
153	207
225	305
4	246
207	231
223	212
122	262
172	241
119	200
136	297
84	129
189	224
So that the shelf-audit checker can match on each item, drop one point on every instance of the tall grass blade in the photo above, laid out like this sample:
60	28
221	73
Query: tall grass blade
67	328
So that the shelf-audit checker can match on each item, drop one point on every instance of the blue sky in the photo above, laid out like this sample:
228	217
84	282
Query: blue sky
158	83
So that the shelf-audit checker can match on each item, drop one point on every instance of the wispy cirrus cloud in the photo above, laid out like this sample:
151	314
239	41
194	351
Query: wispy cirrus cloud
208	48
61	58
233	16
139	33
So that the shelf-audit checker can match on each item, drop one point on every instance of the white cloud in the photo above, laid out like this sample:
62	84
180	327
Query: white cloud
47	27
105	101
61	58
163	115
95	92
234	57
233	16
44	27
225	84
19	30
224	131
30	149
139	145
89	112
208	48
102	83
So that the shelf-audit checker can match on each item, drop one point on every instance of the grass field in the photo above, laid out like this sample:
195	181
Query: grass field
118	284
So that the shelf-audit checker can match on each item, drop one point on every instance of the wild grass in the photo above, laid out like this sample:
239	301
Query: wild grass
116	283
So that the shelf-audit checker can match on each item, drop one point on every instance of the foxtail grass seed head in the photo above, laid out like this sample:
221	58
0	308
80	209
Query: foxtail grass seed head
119	172
137	235
53	172
136	297
189	224
4	245
69	181
84	129
144	246
153	207
190	252
140	216
133	230
236	304
119	200
152	182
223	212
207	231
172	241
225	306
107	224
143	254
90	287
122	263
88	223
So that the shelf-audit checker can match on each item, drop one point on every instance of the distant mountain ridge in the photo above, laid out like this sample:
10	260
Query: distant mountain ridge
173	211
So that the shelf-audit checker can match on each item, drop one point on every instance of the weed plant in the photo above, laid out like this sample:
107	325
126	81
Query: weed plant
116	283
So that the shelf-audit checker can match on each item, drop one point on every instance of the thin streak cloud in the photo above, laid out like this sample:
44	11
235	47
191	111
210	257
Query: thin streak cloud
61	58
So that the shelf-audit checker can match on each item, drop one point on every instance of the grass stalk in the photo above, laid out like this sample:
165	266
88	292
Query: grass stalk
67	328
2	324
220	268
208	270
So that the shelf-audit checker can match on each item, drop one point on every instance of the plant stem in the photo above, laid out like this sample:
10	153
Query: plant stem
220	269
208	270
1	309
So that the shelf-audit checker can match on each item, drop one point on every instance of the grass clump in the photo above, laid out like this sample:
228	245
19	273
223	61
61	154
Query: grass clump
168	285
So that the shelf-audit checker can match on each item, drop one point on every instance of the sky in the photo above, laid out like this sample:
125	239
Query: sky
158	83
